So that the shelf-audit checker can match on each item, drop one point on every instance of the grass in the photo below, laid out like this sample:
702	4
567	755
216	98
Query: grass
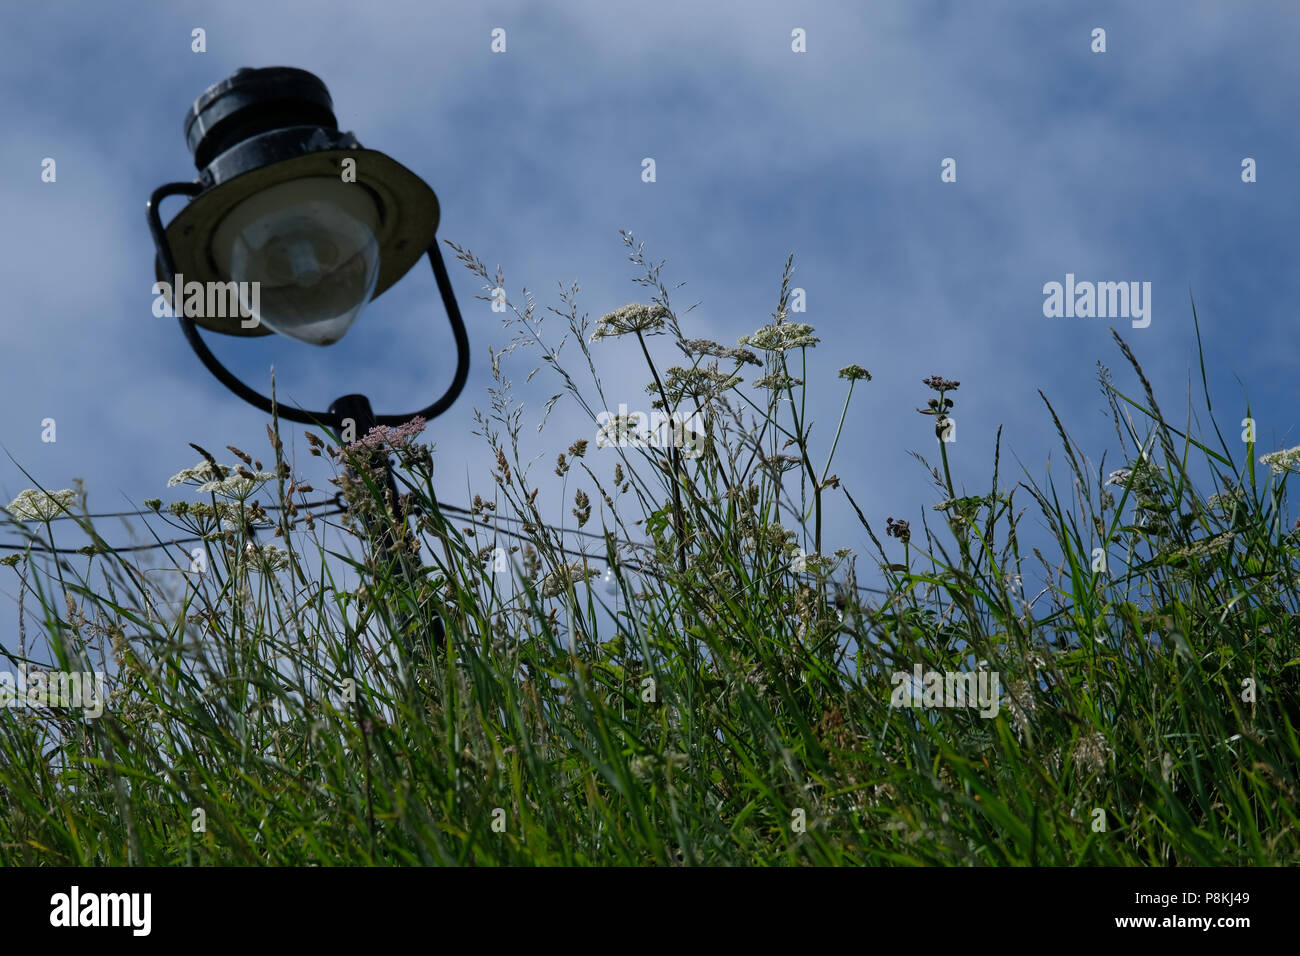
725	695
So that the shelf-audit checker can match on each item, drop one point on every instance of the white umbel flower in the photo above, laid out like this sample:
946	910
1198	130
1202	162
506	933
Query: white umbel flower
237	486
1281	461
266	557
200	473
629	319
782	338
35	505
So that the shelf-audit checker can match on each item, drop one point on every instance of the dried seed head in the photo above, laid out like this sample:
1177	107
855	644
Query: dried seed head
898	529
940	384
583	510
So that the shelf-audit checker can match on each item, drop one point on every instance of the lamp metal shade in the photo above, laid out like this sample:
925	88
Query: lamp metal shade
260	129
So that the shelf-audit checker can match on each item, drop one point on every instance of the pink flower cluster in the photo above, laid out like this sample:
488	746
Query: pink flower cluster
382	438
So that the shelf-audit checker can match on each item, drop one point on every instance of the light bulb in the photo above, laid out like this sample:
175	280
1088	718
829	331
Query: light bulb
310	245
302	262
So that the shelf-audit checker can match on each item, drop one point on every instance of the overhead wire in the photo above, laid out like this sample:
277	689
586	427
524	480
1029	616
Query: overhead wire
474	517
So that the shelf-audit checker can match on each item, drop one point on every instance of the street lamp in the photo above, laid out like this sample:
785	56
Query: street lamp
315	225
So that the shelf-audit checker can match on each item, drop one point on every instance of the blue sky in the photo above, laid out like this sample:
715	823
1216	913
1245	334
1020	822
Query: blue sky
1118	166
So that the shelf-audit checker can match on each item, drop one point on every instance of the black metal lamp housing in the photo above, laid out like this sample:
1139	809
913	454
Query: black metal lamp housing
300	213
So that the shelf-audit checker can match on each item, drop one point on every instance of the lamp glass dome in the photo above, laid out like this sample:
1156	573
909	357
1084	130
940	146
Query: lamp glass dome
311	245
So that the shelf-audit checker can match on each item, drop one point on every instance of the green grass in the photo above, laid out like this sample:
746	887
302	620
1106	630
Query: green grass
736	711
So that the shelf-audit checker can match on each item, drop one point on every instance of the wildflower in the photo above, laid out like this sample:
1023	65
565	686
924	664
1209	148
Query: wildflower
717	350
382	438
854	372
1209	545
781	338
1280	462
779	464
623	429
694	382
806	561
204	511
267	557
940	384
630	319
779	538
237	486
778	382
41	505
204	471
1119	476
